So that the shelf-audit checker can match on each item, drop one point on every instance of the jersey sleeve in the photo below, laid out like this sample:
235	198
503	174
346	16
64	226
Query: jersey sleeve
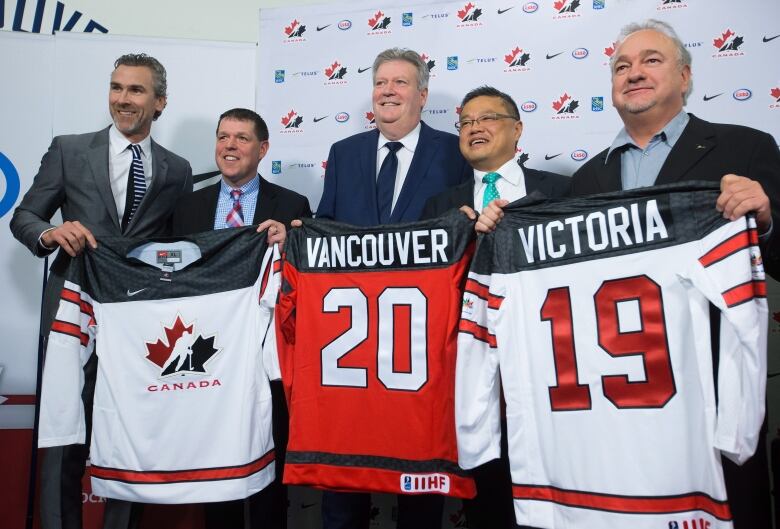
269	292
730	273
284	319
70	344
477	387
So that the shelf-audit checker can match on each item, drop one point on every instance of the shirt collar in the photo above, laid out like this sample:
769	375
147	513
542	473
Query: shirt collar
510	171
250	187
118	143
670	133
409	141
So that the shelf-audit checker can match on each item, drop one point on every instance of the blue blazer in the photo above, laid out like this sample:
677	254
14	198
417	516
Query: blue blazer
350	177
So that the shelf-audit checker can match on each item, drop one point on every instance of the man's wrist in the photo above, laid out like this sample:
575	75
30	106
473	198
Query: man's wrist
41	243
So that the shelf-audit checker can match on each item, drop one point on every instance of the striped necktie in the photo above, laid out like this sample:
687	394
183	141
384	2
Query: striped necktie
235	217
491	191
136	186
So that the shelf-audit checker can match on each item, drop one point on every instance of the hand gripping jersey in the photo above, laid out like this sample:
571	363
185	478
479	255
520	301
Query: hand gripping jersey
182	409
367	332
595	312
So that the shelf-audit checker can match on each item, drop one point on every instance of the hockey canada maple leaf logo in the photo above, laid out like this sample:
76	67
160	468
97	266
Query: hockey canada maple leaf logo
181	351
565	104
370	118
379	21
775	93
292	120
728	41
610	50
295	29
516	57
522	159
469	13
428	61
335	71
566	6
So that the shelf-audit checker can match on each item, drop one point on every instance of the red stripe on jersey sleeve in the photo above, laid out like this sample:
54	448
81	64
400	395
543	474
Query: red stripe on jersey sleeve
277	266
264	282
74	297
71	329
753	233
482	291
744	292
182	476
625	504
759	288
732	245
477	331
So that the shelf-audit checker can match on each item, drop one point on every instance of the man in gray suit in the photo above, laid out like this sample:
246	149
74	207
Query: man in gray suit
116	181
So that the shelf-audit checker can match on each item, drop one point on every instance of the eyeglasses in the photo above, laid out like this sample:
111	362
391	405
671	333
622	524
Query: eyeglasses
487	119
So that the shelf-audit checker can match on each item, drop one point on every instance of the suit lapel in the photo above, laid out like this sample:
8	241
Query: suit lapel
608	179
266	202
159	178
368	153
694	143
427	145
98	158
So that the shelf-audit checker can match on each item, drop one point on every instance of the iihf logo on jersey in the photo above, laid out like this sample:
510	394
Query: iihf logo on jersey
701	523
183	351
425	483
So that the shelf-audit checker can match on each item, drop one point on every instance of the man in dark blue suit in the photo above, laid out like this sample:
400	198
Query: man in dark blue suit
386	176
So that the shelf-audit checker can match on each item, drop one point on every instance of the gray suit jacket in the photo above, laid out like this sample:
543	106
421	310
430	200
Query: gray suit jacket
73	178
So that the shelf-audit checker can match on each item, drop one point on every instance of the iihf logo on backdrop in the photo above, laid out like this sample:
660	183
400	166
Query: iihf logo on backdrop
566	9
294	32
468	17
728	44
379	24
517	60
292	123
335	73
565	107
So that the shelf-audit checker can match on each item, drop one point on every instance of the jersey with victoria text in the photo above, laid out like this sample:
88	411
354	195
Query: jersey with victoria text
595	312
182	406
367	333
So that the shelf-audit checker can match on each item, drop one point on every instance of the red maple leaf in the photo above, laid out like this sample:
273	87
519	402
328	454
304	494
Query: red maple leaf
725	36
458	109
609	51
160	350
325	164
465	11
333	67
557	105
559	5
286	119
372	21
291	28
512	54
370	116
424	57
776	93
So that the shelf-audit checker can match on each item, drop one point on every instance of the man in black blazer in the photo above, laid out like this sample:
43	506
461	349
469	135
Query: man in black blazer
241	197
90	179
651	79
490	128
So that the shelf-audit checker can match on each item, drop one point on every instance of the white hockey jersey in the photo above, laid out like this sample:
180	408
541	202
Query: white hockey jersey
182	408
595	313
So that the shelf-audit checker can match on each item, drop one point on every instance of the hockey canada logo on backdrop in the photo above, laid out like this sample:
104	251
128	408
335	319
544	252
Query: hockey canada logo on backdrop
728	44
291	122
183	350
335	73
379	24
430	63
370	121
609	51
566	9
294	32
774	93
517	60
468	17
565	107
666	5
522	157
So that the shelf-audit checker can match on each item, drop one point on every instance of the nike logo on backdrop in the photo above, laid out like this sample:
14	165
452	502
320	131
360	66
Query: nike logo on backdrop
502	11
552	56
133	293
361	70
319	119
707	98
768	39
548	157
323	27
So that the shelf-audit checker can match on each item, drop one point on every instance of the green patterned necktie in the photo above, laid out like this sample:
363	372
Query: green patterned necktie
491	191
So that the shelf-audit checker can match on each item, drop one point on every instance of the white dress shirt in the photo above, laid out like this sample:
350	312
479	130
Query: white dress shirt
119	160
405	155
511	185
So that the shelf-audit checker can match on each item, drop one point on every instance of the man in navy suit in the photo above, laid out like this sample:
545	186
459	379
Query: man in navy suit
428	160
386	176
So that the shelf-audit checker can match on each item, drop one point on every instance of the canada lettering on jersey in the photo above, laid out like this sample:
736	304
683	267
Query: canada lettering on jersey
607	229
379	250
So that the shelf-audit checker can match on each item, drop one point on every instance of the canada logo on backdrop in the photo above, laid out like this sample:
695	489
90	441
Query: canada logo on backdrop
565	9
468	17
291	122
379	24
182	351
609	51
565	107
775	94
370	121
430	63
666	5
517	60
335	73
294	32
728	44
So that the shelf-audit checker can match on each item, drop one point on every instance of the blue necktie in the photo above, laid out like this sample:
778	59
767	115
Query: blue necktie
385	181
136	186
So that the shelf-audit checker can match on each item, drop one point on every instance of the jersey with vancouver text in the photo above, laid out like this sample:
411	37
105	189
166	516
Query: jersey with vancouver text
182	406
367	332
594	313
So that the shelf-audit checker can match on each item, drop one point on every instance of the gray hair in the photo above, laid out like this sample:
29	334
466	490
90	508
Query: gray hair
159	79
410	56
683	55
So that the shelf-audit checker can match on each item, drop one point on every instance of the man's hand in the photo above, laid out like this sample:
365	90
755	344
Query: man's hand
276	231
470	213
740	195
490	217
296	223
71	236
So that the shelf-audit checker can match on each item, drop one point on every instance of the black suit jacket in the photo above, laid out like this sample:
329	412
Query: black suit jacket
705	151
195	212
550	184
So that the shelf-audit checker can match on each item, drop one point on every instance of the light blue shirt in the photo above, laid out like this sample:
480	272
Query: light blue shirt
251	192
640	167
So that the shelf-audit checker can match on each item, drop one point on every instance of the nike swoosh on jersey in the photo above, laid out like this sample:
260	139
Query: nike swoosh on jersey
134	292
768	39
319	119
707	98
502	11
548	56
361	70
548	157
323	27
